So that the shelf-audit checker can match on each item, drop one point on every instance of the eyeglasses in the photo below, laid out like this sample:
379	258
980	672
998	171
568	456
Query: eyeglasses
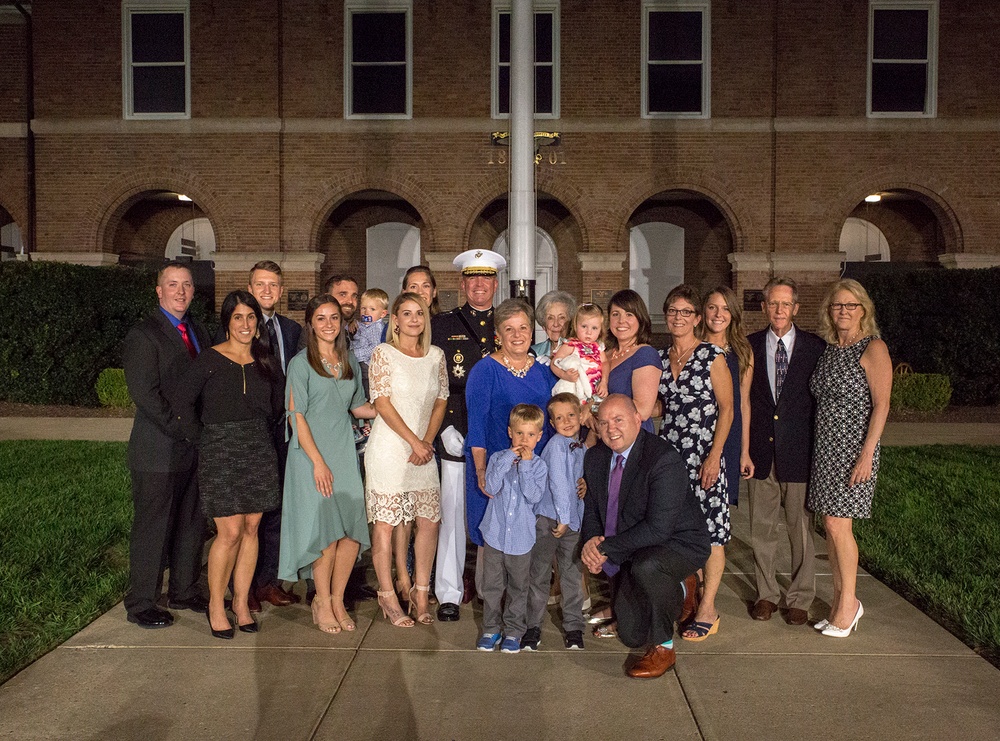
848	307
680	312
774	305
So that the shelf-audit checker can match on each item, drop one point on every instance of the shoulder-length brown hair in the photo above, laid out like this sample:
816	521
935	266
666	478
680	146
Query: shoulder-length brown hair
392	336
735	336
340	344
630	301
869	326
435	307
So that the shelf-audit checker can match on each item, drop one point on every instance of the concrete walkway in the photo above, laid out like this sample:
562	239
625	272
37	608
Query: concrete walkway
115	428
901	676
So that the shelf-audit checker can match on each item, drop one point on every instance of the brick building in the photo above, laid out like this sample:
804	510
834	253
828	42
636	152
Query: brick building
710	141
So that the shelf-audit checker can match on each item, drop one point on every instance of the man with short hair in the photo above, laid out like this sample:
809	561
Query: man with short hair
344	288
281	335
168	527
642	526
781	435
466	335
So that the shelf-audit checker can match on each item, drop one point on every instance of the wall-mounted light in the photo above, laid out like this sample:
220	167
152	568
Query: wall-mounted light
188	198
873	198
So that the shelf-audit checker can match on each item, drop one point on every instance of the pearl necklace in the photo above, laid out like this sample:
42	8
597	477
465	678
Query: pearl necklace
853	339
518	372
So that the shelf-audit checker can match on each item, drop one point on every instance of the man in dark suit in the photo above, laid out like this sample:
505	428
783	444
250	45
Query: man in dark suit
168	527
281	335
781	434
643	526
466	335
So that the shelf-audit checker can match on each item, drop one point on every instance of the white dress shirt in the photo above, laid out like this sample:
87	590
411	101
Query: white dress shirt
771	347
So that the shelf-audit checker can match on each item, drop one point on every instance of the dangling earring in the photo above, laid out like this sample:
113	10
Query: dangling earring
257	334
395	330
227	334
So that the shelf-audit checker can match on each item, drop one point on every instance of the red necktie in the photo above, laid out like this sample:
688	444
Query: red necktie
183	329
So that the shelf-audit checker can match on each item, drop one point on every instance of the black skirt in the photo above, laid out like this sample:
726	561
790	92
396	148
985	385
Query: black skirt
237	469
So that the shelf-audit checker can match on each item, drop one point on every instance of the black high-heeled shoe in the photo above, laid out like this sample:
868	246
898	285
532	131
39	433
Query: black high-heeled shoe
251	627
226	634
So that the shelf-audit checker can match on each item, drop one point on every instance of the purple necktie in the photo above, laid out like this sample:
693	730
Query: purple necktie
611	521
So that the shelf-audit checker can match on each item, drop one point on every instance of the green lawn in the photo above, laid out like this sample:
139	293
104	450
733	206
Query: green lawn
935	536
65	514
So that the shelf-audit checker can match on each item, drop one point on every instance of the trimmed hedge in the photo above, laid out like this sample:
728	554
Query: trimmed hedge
112	389
61	325
923	392
945	322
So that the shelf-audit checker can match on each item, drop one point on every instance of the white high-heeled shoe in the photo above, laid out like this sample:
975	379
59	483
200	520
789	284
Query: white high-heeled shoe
821	624
834	632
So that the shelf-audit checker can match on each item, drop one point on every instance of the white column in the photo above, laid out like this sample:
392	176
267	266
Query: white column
521	219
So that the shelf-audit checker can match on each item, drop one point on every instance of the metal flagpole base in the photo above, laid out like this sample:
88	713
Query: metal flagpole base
525	289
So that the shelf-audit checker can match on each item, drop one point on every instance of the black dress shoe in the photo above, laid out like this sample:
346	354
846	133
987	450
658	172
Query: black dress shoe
196	603
152	617
359	592
447	612
226	634
250	627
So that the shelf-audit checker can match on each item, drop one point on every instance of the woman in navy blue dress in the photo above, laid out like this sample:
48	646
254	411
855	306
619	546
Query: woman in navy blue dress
506	378
635	365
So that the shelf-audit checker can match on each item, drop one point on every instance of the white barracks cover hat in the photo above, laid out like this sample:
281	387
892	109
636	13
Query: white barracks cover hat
480	262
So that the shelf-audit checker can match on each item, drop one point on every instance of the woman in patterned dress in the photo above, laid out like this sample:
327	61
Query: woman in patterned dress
409	388
852	383
697	391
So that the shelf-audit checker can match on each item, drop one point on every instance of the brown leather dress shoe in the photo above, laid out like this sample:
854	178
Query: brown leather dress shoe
275	595
763	610
796	616
690	599
657	662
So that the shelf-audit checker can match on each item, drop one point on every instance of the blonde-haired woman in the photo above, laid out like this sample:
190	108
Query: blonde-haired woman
409	389
851	383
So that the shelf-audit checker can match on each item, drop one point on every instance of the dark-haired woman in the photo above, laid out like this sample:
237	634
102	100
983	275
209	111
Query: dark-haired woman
635	366
323	525
231	400
420	280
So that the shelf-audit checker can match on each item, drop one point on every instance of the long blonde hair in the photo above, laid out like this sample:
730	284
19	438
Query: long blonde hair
735	336
392	336
868	324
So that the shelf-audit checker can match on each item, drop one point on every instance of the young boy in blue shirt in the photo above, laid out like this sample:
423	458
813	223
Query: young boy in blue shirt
515	480
559	514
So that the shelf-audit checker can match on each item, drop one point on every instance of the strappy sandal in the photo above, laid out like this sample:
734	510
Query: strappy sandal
345	622
391	612
606	630
424	618
326	627
700	630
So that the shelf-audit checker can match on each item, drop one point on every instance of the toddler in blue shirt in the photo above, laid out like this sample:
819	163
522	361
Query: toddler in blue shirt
515	481
559	514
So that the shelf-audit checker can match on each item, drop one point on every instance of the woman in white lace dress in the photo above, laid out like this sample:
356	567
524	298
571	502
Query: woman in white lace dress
409	387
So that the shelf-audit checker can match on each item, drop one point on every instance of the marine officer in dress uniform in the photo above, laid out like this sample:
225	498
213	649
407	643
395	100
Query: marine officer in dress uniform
466	335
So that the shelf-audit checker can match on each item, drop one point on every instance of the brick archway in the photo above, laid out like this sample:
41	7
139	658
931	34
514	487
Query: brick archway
130	189
323	199
850	196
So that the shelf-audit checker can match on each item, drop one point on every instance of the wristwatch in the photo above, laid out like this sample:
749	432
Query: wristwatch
600	549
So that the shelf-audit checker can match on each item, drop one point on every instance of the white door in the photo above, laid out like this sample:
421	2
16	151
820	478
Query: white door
392	248
656	264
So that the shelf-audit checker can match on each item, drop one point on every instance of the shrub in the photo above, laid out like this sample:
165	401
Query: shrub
923	392
112	391
61	325
945	322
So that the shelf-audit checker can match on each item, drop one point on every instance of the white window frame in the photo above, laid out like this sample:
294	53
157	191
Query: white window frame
540	6
382	6
930	103
130	7
705	7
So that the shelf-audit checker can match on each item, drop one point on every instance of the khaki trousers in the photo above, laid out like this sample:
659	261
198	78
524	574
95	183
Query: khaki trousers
766	498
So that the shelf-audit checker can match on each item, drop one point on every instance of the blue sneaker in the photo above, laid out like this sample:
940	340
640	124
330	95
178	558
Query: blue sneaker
510	645
488	641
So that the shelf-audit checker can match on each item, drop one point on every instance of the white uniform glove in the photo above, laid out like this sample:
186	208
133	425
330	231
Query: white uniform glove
453	441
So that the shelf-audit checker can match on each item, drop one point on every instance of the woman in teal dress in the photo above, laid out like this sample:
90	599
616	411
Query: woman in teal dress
323	523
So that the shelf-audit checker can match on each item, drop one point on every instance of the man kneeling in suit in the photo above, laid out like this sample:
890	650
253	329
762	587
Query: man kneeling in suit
644	528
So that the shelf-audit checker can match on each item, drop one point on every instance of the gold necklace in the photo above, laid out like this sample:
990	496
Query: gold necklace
520	372
681	357
621	352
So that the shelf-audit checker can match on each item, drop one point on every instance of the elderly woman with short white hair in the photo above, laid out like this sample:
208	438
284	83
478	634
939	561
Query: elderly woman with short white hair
553	313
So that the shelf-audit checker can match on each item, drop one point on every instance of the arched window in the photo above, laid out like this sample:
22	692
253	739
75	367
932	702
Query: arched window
392	248
656	262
